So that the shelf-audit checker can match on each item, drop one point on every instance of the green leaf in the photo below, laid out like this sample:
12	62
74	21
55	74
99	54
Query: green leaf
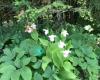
8	53
34	35
54	53
37	65
76	43
30	46
17	63
27	44
19	52
7	71
45	62
69	45
74	60
44	42
79	53
6	76
57	57
25	61
56	77
26	73
15	75
36	50
67	75
6	67
84	65
37	76
5	59
48	72
33	59
56	60
67	66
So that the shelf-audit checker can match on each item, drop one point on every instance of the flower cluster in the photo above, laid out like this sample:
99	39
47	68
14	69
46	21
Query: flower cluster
51	37
61	44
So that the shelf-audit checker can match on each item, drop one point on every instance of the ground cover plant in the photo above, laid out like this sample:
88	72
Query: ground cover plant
49	40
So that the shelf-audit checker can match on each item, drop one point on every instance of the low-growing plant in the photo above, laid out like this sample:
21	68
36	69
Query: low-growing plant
37	58
50	40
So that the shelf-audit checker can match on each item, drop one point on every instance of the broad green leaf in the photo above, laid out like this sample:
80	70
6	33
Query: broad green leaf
55	53
30	46
56	77
56	60
33	59
92	62
7	71
6	67
48	72
15	75
6	76
67	66
37	76
34	35
25	61
69	45
5	59
83	65
52	49
79	53
44	42
27	44
74	61
45	62
9	53
17	63
37	65
75	43
36	50
67	75
26	73
57	57
19	52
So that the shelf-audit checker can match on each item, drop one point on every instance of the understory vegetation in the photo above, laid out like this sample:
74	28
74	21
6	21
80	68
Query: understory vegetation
49	39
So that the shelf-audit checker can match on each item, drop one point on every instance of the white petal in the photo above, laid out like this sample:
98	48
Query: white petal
66	53
61	44
51	37
45	31
87	27
33	26
64	33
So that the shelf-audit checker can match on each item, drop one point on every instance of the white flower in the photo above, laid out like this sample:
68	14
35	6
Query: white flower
52	37
88	28
66	53
33	26
28	29
45	31
64	33
61	44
